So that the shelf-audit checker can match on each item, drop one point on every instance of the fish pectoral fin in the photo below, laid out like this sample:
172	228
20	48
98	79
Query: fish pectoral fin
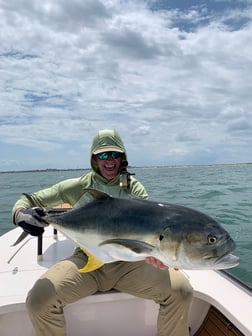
92	264
134	245
174	251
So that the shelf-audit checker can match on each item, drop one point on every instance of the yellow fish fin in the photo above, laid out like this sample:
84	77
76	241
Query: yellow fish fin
92	264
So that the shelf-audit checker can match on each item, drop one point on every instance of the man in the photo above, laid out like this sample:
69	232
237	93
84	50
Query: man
63	284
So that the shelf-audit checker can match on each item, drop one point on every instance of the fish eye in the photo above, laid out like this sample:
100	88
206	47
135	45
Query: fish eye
161	237
211	239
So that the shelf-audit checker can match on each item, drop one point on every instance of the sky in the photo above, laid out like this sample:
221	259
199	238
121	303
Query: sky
174	78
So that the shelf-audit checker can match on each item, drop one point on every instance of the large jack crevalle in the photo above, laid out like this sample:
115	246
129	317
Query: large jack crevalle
111	229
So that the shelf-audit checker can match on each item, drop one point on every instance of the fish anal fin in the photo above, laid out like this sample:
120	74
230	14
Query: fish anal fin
92	264
136	246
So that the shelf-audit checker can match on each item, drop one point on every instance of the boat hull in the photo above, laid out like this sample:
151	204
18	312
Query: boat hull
107	313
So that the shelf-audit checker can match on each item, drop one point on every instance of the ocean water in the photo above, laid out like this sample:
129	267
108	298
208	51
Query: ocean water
221	191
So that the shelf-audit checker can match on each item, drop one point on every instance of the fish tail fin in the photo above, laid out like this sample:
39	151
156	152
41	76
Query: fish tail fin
92	264
20	238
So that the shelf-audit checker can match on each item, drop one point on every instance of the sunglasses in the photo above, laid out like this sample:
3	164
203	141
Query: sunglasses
105	155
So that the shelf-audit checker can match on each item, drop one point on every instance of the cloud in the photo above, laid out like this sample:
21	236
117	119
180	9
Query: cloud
172	79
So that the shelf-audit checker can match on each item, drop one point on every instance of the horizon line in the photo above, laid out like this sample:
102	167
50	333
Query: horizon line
151	166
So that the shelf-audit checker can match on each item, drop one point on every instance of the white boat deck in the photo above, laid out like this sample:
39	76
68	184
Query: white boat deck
20	269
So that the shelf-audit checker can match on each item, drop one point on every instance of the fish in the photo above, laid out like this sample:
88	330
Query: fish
110	229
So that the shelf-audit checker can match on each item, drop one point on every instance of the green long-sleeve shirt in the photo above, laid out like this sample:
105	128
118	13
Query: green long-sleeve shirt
71	191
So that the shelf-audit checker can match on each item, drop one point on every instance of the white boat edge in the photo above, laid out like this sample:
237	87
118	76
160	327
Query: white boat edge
116	312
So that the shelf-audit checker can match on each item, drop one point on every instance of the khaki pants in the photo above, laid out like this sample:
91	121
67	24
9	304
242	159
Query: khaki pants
63	284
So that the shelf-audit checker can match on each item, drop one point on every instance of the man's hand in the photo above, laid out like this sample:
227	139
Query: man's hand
156	263
31	220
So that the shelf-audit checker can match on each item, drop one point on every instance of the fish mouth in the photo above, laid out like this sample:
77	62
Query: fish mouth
228	260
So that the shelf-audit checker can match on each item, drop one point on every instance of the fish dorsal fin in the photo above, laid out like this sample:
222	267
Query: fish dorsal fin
96	194
92	264
90	195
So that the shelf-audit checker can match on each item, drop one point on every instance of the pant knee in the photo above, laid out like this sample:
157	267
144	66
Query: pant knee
181	286
179	291
40	296
185	291
183	294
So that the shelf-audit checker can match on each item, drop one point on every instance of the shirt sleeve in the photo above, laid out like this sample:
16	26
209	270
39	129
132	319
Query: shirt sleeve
137	189
67	191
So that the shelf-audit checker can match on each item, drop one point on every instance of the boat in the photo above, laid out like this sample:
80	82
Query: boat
222	304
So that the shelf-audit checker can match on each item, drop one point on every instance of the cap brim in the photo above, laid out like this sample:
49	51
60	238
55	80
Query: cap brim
108	149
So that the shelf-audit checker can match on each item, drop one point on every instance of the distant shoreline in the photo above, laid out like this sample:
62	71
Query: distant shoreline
130	167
